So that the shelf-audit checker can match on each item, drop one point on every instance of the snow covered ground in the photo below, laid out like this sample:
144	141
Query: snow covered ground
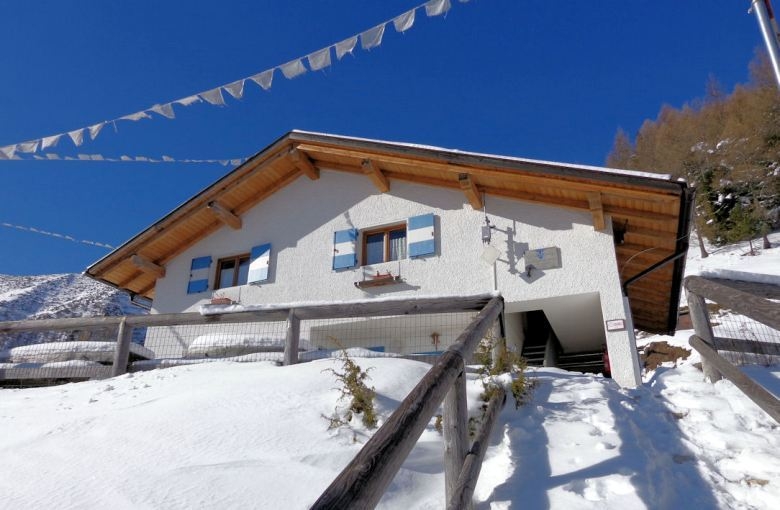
253	435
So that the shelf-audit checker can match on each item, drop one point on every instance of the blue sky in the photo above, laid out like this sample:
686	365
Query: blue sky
528	78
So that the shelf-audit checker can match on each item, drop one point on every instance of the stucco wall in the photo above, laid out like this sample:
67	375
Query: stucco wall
300	221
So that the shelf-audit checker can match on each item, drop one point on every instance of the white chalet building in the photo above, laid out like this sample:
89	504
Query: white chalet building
581	255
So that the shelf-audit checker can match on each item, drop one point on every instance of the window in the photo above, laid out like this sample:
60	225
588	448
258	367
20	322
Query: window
384	245
232	271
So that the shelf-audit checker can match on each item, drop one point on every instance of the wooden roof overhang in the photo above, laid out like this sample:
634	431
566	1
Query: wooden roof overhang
654	211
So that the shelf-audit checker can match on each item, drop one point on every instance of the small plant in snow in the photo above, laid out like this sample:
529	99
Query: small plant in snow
504	361
354	389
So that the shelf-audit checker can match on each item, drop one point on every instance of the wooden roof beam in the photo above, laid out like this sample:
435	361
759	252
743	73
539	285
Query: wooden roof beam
596	210
224	215
375	174
304	164
147	266
471	191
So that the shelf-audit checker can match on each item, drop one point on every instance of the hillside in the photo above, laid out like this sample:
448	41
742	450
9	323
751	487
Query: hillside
58	296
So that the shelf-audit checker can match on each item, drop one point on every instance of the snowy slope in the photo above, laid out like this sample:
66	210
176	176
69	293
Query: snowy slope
57	296
230	435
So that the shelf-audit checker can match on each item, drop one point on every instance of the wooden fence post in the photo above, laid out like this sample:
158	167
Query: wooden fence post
455	424
293	338
124	335
701	324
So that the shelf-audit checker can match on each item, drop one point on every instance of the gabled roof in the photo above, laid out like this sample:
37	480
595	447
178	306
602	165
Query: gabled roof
653	209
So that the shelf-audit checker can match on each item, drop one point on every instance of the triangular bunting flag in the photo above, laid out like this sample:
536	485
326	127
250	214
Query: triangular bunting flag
166	110
213	96
235	162
235	89
345	46
437	7
372	37
186	101
135	116
319	59
292	69
167	159
49	141
77	135
405	21
28	147
51	155
8	152
264	79
94	129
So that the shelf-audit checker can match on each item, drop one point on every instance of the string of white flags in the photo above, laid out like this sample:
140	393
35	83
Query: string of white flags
317	61
49	156
64	237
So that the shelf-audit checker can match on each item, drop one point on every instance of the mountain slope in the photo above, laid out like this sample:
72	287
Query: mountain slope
57	296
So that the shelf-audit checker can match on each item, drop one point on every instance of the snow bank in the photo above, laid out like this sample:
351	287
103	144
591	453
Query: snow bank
66	351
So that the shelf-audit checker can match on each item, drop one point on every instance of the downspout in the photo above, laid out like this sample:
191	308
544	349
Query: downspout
681	248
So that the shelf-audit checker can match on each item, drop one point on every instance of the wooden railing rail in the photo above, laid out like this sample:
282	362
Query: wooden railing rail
363	482
707	344
754	391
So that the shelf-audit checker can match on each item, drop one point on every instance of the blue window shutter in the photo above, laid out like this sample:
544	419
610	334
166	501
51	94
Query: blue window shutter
199	275
345	248
259	260
420	235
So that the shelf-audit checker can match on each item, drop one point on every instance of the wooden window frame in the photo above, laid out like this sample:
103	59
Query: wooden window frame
381	230
235	258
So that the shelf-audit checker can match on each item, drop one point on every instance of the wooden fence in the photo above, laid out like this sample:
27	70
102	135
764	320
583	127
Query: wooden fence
363	482
707	344
121	328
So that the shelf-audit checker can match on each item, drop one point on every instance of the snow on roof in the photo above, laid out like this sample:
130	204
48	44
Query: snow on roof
615	171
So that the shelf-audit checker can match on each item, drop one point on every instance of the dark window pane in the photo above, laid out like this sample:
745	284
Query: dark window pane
397	244
243	271
227	269
375	248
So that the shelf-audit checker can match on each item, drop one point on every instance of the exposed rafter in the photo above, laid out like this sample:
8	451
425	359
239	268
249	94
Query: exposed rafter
224	215
304	164
375	174
597	211
471	191
147	266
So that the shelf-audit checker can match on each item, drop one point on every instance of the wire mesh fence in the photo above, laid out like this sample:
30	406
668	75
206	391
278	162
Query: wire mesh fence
743	340
90	350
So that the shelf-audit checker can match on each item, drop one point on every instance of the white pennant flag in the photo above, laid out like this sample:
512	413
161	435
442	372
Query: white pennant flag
292	69
235	89
38	157
166	110
264	79
69	158
405	21
235	162
77	135
213	96
167	159
28	147
8	152
83	157
186	101
372	37
49	141
94	129
319	59
437	7
345	46
125	158
135	116
52	156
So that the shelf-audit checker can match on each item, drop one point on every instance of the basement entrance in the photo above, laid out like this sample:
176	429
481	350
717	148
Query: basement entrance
541	346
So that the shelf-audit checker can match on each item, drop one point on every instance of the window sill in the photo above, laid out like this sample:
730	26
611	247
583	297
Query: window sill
378	280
